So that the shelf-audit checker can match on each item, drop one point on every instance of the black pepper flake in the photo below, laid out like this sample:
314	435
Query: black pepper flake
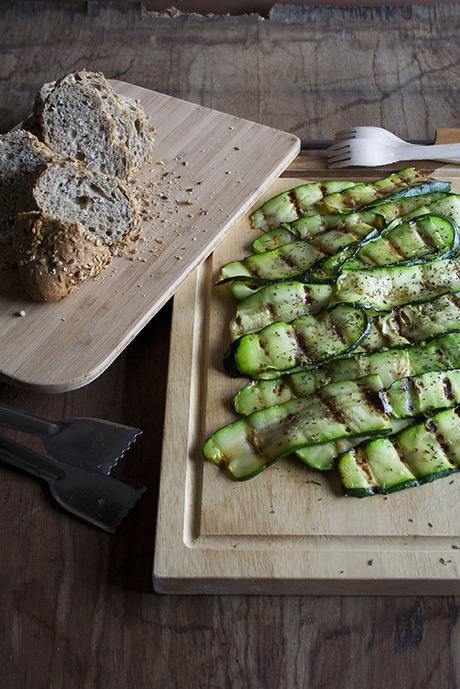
455	547
430	525
370	562
410	520
444	562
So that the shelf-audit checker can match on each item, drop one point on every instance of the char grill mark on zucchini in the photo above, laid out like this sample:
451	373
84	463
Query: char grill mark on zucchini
414	323
294	259
423	239
439	354
422	394
314	226
304	342
294	203
402	208
407	182
288	261
323	457
248	446
421	453
384	288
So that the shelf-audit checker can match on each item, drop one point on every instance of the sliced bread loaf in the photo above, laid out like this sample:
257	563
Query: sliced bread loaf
75	124
21	156
57	108
55	257
71	193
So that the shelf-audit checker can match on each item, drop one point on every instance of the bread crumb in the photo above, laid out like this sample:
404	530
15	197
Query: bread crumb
20	313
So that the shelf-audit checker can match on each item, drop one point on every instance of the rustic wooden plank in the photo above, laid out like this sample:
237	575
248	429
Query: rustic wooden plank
76	609
312	75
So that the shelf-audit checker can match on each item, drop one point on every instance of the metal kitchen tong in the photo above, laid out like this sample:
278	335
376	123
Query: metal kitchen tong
83	452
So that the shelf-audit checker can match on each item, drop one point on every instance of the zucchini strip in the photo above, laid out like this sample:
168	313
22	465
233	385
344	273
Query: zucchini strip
287	301
294	259
399	185
405	209
424	452
323	457
314	225
403	400
306	342
439	354
384	288
248	446
414	323
282	302
294	203
426	238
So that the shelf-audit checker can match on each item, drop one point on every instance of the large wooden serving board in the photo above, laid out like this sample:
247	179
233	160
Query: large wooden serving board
279	533
208	169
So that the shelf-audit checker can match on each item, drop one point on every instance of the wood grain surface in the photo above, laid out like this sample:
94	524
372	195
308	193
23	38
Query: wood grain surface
77	609
207	169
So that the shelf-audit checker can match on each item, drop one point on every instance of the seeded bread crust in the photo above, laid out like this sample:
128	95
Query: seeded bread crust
55	258
102	204
22	155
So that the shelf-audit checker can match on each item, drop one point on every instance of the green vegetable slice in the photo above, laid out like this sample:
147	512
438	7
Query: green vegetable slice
384	288
323	457
314	225
285	301
426	238
248	446
440	353
292	260
403	400
420	453
399	185
414	323
294	203
305	342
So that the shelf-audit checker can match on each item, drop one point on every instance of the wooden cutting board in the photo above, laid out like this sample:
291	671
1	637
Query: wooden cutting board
208	169
280	533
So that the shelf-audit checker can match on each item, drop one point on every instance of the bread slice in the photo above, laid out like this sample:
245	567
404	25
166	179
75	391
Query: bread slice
75	123
71	193
21	156
55	257
132	131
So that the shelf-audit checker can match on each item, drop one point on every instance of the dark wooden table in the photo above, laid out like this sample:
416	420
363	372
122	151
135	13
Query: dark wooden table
77	609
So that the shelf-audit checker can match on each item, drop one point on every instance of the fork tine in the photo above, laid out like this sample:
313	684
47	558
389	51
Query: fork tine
338	160
339	147
341	163
345	134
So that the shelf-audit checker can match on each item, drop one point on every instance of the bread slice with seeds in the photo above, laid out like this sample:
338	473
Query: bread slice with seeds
70	192
54	257
21	156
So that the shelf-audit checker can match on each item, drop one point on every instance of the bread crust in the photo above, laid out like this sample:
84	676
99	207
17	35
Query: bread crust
55	258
